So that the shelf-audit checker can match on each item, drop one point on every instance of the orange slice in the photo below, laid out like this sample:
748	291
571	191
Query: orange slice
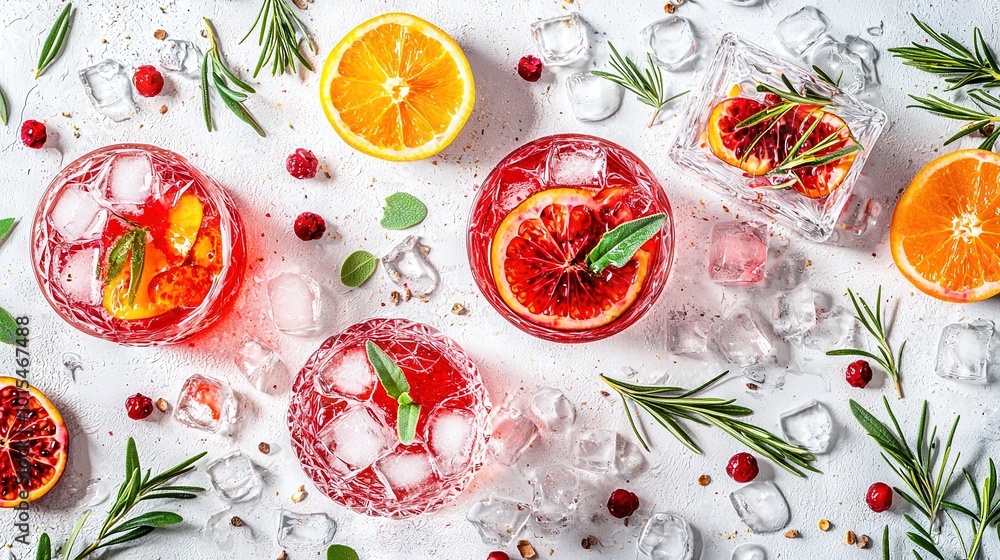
183	223
945	232
144	307
397	88
34	443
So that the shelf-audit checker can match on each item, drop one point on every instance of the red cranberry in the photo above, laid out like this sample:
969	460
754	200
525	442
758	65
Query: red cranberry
302	164
742	467
138	406
147	81
529	68
498	555
859	374
33	134
622	503
879	497
309	226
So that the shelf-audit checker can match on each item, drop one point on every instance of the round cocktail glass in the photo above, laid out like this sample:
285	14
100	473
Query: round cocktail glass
571	188
137	211
343	423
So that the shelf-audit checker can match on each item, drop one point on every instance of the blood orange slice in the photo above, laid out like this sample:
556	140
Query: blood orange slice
33	444
819	180
731	143
538	259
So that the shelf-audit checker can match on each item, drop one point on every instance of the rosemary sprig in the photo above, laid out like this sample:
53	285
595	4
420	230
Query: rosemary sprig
134	490
874	323
279	39
646	84
54	40
668	405
215	72
982	119
962	66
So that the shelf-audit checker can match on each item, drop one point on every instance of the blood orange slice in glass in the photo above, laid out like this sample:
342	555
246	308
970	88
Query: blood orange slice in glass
816	181
33	444
731	143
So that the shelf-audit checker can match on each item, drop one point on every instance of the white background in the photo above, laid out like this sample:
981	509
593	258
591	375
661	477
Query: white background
508	112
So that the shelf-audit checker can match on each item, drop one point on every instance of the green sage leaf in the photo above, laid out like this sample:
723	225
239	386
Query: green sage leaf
357	268
8	327
54	40
406	422
4	114
402	210
617	246
44	548
341	552
138	263
6	224
392	378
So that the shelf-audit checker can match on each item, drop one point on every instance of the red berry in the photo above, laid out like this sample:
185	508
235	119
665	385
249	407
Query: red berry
309	226
859	373
138	406
33	134
742	467
879	497
529	68
147	81
498	555
302	164
622	503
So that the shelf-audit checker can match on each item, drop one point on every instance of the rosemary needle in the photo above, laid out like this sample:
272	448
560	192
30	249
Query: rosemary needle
279	40
962	66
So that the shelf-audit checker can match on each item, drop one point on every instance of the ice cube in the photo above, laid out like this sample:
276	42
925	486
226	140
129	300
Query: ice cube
793	312
750	551
738	253
687	333
551	410
206	404
220	531
513	432
183	57
834	329
356	439
670	41
347	374
408	266
761	506
593	98
629	460
131	179
666	537
809	425
77	215
561	40
555	495
295	303
499	520
786	271
109	89
406	474
235	478
868	54
305	531
741	340
802	29
262	366
581	163
77	275
964	351
859	215
450	436
845	68
594	451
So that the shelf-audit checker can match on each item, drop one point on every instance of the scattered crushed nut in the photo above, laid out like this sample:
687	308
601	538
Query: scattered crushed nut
300	4
590	541
407	294
299	495
459	309
987	130
104	41
163	109
669	8
526	550
327	173
824	525
67	115
863	541
704	480
752	386
283	555
605	394
264	447
850	538
394	298
161	404
160	34
237	521
792	534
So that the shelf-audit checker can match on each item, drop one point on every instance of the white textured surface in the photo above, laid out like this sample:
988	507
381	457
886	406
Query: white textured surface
508	112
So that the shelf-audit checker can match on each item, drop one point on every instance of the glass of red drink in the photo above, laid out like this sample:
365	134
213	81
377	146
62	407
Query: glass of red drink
537	216
133	244
343	423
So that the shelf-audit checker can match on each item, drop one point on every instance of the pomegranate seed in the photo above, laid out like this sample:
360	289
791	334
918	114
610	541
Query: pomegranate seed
498	555
529	68
309	226
879	497
33	134
742	467
138	406
859	374
302	164
622	503
147	81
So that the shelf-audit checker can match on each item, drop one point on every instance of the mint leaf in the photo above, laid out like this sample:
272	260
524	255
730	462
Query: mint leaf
402	210
8	327
617	246
388	372
6	226
357	268
341	552
406	422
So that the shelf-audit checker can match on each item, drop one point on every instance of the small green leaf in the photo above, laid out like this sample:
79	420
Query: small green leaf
406	421
358	267
402	210
8	327
138	262
389	374
341	552
6	224
148	519
44	548
404	399
617	246
4	113
130	536
131	458
54	40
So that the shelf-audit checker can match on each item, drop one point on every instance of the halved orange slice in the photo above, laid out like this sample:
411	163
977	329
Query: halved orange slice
34	443
397	88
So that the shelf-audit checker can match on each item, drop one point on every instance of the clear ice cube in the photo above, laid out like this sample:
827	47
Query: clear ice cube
629	459
206	404
131	180
551	410
76	276
109	89
183	57
594	451
859	215
809	425
666	537
561	40
738	253
77	215
305	531
839	63
295	303
513	432
235	478
347	374
593	98
793	312
408	266
356	439
802	29
761	506
555	496
964	351
786	271
750	551
499	520
687	333
670	41
262	366
741	340
406	474
834	329
450	436
220	531
583	164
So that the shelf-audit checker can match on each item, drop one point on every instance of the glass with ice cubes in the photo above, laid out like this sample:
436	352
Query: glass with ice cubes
133	244
343	423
